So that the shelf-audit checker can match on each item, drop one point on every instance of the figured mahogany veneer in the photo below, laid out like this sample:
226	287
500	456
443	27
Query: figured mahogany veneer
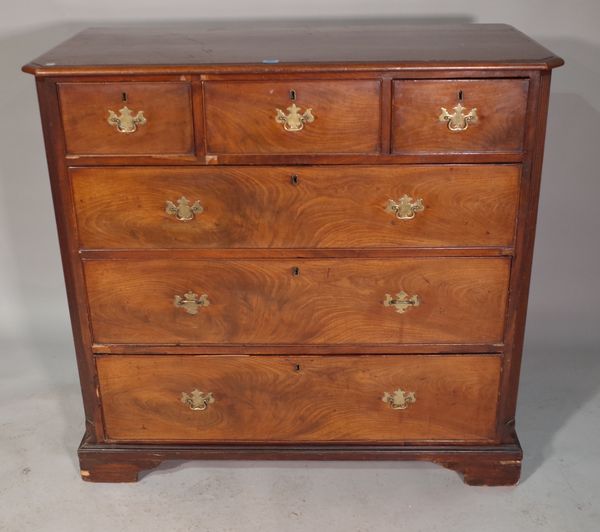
302	399
327	301
291	231
292	207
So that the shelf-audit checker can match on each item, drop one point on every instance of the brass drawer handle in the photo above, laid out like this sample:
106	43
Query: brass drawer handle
183	211
458	120
294	121
191	302
401	302
197	400
399	399
125	122
405	208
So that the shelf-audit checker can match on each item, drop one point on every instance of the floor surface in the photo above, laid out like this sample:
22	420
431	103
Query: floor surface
40	489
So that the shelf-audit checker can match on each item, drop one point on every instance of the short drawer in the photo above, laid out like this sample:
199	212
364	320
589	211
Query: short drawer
299	399
298	302
304	117
127	118
296	207
459	116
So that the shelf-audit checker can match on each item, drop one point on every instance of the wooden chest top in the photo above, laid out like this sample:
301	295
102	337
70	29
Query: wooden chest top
253	47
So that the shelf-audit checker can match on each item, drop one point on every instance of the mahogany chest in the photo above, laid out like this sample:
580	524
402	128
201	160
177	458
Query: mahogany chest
297	241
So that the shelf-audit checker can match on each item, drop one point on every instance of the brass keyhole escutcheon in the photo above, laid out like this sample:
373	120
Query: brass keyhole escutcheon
295	180
295	271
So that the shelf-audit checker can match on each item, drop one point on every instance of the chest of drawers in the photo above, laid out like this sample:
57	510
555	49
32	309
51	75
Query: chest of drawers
297	241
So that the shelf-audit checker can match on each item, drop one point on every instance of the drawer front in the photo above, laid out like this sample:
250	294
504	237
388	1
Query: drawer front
426	119
304	302
299	399
127	118
313	207
244	117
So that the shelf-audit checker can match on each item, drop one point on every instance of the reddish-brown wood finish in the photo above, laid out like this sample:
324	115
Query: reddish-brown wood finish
330	46
241	116
329	301
291	207
500	126
306	399
385	128
167	108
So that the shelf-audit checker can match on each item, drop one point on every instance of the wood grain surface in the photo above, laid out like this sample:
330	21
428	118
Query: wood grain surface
287	399
281	46
240	116
167	107
322	207
463	300
501	106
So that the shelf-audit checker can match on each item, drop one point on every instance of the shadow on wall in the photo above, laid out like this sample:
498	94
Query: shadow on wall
561	369
565	288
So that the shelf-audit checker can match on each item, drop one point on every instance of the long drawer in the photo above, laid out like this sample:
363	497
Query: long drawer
299	399
296	207
322	301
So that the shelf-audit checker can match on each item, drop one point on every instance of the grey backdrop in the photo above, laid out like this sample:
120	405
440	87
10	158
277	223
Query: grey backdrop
561	366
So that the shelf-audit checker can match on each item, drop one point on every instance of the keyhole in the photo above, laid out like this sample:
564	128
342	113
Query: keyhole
460	96
292	95
295	271
295	180
296	367
124	96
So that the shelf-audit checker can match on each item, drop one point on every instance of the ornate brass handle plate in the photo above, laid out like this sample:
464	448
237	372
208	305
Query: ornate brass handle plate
294	120
401	301
191	302
197	400
458	120
399	399
183	211
125	121
405	208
